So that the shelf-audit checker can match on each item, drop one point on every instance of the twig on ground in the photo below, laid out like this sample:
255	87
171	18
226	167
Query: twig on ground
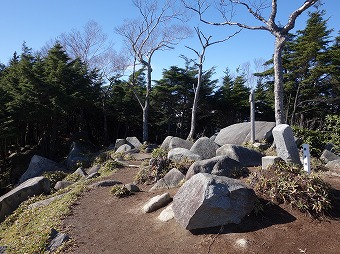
213	240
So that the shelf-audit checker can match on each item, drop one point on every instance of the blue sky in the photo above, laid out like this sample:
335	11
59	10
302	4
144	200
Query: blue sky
39	21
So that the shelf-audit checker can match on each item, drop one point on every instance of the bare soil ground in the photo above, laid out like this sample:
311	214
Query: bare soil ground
102	223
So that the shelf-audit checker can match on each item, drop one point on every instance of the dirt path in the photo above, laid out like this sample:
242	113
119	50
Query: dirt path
101	223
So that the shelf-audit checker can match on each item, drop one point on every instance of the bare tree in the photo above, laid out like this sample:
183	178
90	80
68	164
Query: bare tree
155	30
256	8
205	43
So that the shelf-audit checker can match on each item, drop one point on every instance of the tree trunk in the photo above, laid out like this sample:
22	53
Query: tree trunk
278	79
147	105
105	141
194	106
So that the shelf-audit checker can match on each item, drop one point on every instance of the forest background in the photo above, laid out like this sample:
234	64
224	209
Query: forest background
49	95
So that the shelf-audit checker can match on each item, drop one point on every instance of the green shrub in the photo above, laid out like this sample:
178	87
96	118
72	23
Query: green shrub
54	176
283	183
120	191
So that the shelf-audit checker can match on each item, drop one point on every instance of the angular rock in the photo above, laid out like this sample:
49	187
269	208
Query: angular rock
93	169
219	165
81	172
328	156
38	165
180	154
62	185
105	183
239	133
56	240
166	143
268	161
167	214
157	202
285	144
45	202
177	142
133	142
11	200
124	148
171	180
208	201
93	175
119	143
132	187
205	148
79	153
334	165
247	157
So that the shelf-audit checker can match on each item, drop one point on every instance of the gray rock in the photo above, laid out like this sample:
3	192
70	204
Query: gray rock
45	202
247	157
167	214
180	154
124	148
132	187
239	133
93	169
285	144
105	183
219	165
133	142
171	180
56	240
328	156
93	175
79	153
268	161
62	185
205	148
81	172
166	143
11	200
207	201
38	165
157	202
177	142
119	143
334	165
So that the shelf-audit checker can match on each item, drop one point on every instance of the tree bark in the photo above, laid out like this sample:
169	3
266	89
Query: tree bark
278	79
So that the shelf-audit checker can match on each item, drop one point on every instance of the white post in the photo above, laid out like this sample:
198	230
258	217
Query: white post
306	158
252	117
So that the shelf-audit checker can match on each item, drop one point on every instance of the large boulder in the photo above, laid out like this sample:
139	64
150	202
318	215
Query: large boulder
171	180
124	148
180	154
207	201
176	142
79	153
166	143
219	165
133	142
205	148
247	157
11	200
239	133
119	142
38	165
285	144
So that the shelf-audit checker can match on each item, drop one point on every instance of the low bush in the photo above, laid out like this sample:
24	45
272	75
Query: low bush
120	191
283	183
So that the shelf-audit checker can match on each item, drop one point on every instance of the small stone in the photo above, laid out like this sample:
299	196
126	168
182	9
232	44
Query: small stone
132	187
167	214
157	202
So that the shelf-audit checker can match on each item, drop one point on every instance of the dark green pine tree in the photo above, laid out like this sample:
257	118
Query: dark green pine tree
307	68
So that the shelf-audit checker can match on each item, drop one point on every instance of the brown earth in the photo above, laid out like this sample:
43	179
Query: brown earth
102	223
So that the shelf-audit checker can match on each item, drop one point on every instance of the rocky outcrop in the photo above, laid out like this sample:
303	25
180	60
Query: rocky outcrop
205	148
180	154
239	133
285	144
38	165
171	180
219	165
207	201
11	200
245	156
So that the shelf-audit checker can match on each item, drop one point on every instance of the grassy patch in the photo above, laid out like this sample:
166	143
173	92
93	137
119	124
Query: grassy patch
27	230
